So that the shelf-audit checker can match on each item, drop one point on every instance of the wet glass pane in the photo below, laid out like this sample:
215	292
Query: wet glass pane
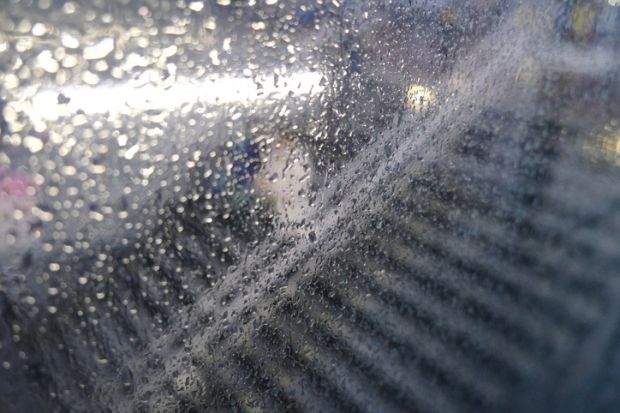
309	206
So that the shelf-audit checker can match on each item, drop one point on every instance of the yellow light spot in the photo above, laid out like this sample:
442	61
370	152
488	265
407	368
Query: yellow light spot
419	98
606	145
583	19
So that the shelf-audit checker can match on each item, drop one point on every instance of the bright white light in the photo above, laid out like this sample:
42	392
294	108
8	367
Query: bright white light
123	98
419	97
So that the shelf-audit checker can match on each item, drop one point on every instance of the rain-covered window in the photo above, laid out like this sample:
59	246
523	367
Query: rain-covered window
310	206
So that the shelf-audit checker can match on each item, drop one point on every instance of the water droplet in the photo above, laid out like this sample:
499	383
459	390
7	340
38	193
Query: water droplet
99	50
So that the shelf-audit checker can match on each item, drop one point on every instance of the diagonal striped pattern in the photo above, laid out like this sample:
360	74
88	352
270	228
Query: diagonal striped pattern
488	273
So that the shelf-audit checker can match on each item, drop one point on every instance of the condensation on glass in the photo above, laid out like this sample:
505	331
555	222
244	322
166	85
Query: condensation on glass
309	205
